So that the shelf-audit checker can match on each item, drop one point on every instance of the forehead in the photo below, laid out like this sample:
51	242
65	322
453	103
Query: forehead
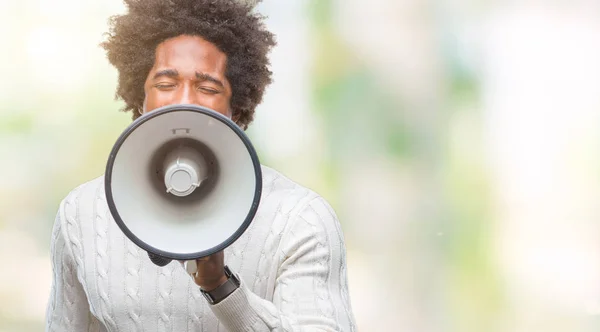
190	53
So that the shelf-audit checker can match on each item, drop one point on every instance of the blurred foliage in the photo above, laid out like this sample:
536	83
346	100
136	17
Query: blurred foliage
362	119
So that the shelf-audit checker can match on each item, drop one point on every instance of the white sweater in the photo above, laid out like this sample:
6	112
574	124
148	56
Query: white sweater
291	261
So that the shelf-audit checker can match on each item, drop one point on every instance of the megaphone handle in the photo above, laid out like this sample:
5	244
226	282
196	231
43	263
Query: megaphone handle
190	267
159	260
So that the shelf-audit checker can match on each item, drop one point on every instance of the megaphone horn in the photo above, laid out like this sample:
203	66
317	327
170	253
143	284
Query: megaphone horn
183	182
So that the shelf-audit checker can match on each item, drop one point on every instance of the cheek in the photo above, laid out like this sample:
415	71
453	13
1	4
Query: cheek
218	103
154	100
148	101
223	108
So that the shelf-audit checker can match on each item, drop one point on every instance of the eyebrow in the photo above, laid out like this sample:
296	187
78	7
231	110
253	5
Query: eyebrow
209	78
173	73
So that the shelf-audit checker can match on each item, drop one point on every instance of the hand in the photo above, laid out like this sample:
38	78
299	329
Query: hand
211	271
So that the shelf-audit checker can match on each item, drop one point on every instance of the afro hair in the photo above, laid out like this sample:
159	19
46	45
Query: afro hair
231	25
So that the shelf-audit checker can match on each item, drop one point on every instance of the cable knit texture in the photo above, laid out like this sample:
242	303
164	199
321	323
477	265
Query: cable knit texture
291	261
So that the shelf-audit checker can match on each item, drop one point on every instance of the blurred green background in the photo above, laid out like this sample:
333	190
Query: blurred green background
458	142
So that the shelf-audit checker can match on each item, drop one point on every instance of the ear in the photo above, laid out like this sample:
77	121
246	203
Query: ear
235	116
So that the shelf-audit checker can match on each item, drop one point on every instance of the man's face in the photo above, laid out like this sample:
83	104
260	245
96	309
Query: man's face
188	70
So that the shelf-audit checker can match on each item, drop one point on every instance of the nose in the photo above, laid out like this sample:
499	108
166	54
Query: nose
187	95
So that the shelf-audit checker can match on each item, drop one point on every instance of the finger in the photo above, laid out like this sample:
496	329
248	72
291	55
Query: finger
191	267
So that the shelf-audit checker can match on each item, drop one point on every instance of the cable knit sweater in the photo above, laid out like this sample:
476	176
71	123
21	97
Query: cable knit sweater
291	261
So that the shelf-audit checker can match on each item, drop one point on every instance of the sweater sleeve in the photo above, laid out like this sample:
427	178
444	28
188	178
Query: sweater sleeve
68	308
311	290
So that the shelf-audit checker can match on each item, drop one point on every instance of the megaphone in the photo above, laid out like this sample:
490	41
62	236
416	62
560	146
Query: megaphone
183	182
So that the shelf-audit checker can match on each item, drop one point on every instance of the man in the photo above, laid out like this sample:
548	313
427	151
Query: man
290	262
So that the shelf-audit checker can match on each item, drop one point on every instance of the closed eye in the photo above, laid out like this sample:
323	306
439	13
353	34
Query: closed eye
208	90
164	86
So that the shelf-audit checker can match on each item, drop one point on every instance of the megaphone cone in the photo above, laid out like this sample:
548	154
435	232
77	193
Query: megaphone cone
183	182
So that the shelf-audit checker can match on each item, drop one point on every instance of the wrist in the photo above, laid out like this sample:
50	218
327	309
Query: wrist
215	283
222	291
